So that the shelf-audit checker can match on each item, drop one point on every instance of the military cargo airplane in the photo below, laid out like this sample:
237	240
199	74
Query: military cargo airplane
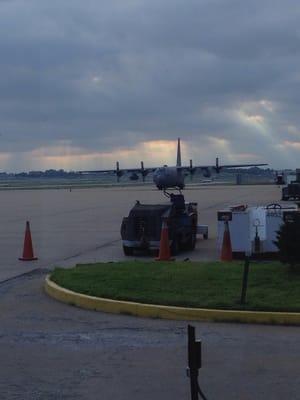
171	177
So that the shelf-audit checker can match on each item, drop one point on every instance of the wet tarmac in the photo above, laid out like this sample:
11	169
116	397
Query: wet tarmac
51	351
84	225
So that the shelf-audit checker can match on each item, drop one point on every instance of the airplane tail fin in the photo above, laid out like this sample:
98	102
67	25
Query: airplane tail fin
178	163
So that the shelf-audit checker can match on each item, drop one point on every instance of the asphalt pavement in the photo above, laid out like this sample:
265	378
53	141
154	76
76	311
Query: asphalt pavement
50	350
53	351
84	225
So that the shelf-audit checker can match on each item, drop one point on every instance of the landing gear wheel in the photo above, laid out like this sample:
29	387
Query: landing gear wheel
274	206
128	251
192	242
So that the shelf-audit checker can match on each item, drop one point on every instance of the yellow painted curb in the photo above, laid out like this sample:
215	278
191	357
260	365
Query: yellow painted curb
166	312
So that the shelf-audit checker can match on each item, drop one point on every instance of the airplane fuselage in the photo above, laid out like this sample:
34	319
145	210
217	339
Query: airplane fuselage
168	177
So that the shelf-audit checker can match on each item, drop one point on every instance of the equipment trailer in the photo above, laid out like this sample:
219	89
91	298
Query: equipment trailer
142	228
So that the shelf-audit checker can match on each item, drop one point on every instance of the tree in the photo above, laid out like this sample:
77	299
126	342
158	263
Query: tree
288	242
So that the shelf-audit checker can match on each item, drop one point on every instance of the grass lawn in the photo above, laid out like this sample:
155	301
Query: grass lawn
271	286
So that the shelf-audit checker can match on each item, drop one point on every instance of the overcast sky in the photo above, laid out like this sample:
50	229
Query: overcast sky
86	83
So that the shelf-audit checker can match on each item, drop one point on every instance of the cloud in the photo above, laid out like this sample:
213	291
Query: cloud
75	158
114	75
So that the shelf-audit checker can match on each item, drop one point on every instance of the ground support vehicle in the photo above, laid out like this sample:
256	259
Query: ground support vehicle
292	190
142	228
253	229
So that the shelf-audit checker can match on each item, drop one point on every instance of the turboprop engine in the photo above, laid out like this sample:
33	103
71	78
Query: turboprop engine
206	172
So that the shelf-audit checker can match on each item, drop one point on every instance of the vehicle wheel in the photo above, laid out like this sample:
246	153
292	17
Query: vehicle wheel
175	246
192	242
128	251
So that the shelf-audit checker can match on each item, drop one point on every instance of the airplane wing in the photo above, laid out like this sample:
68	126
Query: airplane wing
100	171
120	172
217	167
242	165
113	171
190	169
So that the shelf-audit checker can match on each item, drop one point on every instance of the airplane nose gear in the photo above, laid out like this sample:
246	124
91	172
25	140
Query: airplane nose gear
168	195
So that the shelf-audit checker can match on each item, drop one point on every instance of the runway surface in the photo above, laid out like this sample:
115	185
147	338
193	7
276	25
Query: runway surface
84	225
52	351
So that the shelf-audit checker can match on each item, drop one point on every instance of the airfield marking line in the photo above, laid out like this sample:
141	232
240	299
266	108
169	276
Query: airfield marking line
101	246
107	244
45	267
167	312
42	271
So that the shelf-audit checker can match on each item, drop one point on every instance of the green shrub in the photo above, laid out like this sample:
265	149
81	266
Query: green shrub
288	243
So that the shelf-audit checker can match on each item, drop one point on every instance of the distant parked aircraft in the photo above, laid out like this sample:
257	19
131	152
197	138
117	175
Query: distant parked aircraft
279	178
171	177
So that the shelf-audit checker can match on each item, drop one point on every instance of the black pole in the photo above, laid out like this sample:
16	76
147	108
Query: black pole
193	362
245	280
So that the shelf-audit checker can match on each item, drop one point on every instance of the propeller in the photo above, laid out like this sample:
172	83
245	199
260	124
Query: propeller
144	172
192	170
217	168
118	172
206	172
134	176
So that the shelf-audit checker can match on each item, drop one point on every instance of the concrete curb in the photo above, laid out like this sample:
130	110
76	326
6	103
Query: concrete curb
166	312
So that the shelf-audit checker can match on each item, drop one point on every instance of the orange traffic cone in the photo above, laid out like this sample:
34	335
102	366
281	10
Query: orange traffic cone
226	253
164	247
28	250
